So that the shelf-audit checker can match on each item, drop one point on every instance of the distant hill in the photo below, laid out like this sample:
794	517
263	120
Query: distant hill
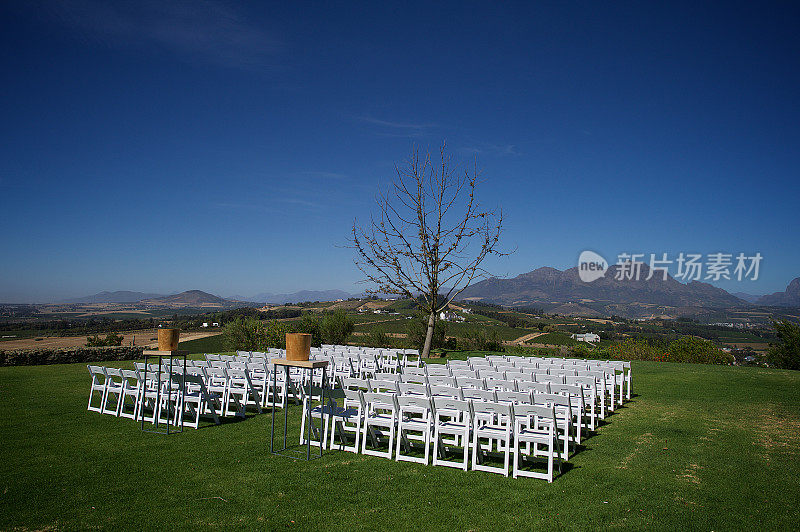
120	296
750	298
297	297
190	298
788	298
550	288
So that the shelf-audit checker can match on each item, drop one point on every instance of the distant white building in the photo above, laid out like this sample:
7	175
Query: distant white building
451	316
586	337
205	324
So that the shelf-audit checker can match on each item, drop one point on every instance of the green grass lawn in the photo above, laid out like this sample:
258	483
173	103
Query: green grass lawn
209	344
699	447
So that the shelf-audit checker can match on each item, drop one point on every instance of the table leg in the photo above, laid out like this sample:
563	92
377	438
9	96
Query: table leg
285	403
272	430
322	410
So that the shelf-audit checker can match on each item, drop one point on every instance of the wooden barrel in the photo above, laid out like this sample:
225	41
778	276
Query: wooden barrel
298	346
168	339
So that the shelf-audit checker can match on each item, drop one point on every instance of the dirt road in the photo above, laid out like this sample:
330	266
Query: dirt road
145	338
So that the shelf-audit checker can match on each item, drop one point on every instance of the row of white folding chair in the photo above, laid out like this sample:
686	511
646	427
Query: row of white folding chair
505	391
621	369
235	382
430	420
132	393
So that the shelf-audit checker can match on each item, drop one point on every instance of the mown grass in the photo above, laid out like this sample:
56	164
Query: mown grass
699	447
210	344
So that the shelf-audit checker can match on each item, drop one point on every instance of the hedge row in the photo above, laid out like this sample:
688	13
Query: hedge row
35	357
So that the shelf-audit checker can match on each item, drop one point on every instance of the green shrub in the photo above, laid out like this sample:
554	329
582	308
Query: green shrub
111	340
309	324
336	327
785	354
698	351
245	334
274	334
632	349
479	340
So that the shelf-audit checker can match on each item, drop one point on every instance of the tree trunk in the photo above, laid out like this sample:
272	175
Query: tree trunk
426	351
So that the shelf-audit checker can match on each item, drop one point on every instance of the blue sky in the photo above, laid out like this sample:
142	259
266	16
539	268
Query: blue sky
228	147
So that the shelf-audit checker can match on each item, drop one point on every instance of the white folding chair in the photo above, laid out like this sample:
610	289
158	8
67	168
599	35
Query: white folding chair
99	383
414	424
348	421
198	400
535	426
493	422
452	417
131	388
380	417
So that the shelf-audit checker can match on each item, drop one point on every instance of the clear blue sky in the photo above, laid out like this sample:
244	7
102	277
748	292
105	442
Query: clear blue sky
160	147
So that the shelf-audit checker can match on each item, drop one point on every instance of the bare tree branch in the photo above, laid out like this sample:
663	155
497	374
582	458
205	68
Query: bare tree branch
431	235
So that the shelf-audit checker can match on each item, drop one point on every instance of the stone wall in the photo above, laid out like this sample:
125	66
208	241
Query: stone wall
35	357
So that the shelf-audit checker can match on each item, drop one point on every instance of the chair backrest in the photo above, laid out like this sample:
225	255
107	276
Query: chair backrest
498	384
537	387
571	390
552	399
381	401
352	383
528	415
468	382
383	386
437	369
519	376
97	372
408	388
513	397
447	406
415	403
388	376
445	391
500	411
554	379
414	378
441	380
354	398
491	374
476	394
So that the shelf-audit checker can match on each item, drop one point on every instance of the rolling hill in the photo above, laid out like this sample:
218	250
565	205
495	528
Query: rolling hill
551	289
120	296
189	298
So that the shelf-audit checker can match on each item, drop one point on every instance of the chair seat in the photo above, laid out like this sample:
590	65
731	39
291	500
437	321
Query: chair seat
533	436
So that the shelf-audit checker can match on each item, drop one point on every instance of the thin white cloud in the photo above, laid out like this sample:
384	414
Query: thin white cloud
396	125
206	31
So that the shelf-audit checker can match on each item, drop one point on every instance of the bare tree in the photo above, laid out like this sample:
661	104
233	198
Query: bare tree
429	235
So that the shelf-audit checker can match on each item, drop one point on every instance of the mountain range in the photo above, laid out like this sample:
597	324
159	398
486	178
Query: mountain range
788	298
555	291
564	292
297	297
120	296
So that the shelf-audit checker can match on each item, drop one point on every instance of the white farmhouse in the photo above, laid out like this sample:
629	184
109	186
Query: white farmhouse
586	337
